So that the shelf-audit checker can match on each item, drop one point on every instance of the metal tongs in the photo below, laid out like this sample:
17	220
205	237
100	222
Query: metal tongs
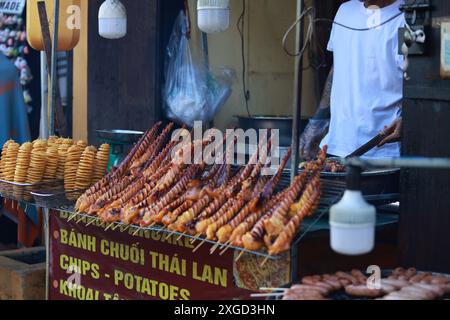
367	147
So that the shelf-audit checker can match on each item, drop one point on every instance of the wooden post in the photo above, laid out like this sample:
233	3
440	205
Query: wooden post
297	105
60	121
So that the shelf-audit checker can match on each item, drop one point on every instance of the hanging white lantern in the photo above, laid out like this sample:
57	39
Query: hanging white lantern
213	15
112	20
352	220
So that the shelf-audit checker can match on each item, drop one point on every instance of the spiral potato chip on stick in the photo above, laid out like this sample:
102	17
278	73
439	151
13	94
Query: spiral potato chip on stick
53	141
3	158
67	141
37	166
71	167
62	155
23	163
101	163
84	170
40	145
52	163
10	161
82	144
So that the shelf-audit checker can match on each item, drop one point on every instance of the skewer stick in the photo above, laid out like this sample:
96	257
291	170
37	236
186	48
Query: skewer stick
264	262
72	217
115	227
273	289
109	226
126	228
224	250
196	237
79	220
214	248
137	231
181	236
226	244
169	235
199	245
260	295
91	222
239	256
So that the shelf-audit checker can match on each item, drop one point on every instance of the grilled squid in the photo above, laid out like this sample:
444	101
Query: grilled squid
220	219
99	188
152	215
260	197
275	224
310	200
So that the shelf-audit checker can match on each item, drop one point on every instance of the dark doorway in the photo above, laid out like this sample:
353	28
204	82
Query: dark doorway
425	219
125	76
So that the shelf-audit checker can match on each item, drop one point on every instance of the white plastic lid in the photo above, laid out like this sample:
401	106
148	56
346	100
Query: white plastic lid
353	210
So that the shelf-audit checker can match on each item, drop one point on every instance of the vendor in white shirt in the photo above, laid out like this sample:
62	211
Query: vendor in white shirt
364	91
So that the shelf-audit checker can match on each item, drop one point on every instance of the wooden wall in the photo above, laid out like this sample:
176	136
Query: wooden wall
122	74
80	78
117	83
425	211
270	71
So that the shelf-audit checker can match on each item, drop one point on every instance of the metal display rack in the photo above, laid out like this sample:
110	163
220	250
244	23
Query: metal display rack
23	192
52	196
57	199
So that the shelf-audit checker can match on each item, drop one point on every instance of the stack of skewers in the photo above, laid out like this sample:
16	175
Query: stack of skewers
154	186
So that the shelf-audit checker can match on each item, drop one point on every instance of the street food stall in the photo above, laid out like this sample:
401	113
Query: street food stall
167	222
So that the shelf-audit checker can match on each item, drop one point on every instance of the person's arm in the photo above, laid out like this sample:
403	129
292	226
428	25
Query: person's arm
392	133
323	112
318	125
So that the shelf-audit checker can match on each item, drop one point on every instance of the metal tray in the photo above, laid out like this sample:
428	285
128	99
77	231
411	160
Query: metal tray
23	191
365	174
379	182
121	136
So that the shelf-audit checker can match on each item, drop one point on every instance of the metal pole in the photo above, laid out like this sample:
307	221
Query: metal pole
413	162
298	83
54	75
43	128
205	49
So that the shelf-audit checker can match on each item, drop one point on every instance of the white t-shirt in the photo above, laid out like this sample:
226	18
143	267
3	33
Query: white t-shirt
368	78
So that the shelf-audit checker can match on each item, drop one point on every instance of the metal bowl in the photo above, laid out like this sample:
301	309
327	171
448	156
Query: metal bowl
120	136
283	124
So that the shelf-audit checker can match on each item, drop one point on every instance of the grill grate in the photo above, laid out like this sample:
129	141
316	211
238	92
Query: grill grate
53	196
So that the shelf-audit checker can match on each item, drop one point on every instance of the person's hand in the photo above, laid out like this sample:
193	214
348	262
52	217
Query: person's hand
392	133
310	140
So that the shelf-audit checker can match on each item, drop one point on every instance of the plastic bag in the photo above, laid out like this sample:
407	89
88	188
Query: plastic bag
192	92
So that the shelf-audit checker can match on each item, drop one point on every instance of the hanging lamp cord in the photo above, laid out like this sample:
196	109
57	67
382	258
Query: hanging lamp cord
311	13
